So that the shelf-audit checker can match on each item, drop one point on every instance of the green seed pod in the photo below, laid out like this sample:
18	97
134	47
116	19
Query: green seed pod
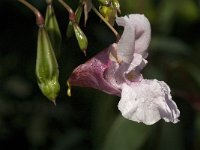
81	38
70	30
46	66
109	13
116	5
105	2
53	30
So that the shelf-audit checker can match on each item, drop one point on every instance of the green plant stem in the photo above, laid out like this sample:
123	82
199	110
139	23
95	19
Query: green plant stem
107	23
39	17
72	16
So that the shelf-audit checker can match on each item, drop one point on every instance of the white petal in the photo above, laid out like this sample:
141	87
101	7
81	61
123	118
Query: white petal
143	33
135	38
127	42
132	74
148	101
138	63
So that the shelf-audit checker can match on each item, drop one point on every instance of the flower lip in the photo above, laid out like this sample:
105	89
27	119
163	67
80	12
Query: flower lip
148	101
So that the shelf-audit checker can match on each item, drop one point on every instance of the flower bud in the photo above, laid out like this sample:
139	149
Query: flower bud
46	66
105	2
68	89
116	5
109	13
53	30
78	13
81	38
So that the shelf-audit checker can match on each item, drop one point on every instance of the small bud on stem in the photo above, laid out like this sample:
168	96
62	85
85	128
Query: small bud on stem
80	36
78	13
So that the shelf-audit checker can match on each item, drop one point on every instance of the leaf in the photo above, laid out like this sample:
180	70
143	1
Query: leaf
194	72
127	135
191	14
167	10
70	140
197	127
169	45
171	137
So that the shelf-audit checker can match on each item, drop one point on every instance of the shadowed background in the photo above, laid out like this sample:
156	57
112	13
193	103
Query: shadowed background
90	119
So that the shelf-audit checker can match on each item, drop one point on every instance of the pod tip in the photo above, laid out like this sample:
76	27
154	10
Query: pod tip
54	102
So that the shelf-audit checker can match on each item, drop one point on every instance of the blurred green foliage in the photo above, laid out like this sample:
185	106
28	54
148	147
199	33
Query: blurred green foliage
90	119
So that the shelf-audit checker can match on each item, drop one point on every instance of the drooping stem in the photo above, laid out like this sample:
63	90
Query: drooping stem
107	23
72	16
39	17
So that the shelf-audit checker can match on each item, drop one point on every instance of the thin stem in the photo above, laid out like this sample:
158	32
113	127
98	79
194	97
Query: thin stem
72	16
107	23
39	17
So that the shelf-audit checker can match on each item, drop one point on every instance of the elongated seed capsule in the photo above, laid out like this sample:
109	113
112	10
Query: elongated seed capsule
53	30
78	13
81	38
46	66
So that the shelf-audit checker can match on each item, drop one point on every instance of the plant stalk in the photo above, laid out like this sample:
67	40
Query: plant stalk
72	16
39	17
107	23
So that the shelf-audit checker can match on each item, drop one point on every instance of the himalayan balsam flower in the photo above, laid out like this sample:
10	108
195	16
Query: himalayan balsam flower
116	70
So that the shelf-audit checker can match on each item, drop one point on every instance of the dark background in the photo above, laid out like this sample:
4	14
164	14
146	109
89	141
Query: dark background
90	119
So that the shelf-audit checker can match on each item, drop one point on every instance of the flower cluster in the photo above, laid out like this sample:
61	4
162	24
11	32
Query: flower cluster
117	70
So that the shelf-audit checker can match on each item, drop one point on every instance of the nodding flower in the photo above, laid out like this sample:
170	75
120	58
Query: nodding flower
117	70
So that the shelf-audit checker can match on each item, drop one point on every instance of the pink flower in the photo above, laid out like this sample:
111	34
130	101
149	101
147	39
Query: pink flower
116	70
